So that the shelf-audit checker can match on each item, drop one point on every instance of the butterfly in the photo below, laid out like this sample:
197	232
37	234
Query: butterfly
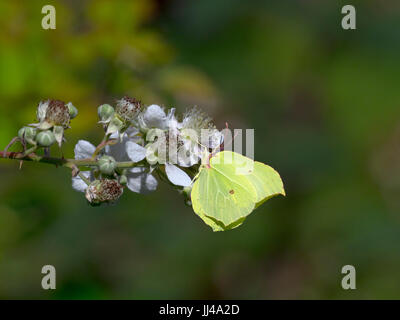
229	186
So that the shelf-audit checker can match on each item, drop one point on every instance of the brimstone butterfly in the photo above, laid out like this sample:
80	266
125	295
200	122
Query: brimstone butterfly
230	186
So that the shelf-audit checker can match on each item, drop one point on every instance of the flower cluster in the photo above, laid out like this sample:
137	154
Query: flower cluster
53	118
141	146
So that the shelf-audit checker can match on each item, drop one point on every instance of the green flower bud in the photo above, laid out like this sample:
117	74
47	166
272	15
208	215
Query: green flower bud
123	180
27	134
116	125
103	191
73	111
152	154
45	138
107	165
105	112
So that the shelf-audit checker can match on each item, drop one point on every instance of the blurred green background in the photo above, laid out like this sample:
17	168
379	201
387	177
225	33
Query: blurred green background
324	103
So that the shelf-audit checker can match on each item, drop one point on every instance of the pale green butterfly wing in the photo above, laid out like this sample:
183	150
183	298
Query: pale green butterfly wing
231	188
221	199
235	167
215	224
197	199
266	181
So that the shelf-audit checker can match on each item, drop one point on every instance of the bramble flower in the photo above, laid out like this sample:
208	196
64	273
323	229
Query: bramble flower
162	152
141	144
126	112
138	179
128	108
153	117
201	123
55	114
172	143
128	149
196	119
103	191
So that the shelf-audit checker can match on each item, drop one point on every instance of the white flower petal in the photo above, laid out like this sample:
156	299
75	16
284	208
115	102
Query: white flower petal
132	132
172	122
188	155
177	176
212	138
84	149
135	152
140	181
115	135
118	150
42	109
155	117
187	162
78	184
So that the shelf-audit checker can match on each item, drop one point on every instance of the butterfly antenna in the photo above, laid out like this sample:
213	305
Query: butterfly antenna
230	142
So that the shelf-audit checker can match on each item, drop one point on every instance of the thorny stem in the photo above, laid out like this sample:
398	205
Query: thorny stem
69	163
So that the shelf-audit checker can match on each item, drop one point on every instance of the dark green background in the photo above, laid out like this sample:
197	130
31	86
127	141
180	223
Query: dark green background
324	104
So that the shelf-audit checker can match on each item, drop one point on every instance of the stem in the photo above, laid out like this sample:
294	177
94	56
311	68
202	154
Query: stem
128	164
86	180
13	140
29	151
102	145
69	163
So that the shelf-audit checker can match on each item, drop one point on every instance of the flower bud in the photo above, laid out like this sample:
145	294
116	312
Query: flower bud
27	134
103	191
152	157
123	180
116	125
107	165
73	111
45	138
128	108
105	112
